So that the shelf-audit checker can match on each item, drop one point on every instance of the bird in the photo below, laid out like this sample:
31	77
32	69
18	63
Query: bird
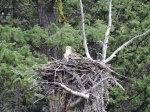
67	52
70	55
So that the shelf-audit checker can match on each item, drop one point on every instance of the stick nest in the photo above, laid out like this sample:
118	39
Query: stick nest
63	81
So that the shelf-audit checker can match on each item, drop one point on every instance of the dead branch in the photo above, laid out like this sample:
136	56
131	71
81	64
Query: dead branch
76	93
104	48
97	84
86	9
124	45
83	32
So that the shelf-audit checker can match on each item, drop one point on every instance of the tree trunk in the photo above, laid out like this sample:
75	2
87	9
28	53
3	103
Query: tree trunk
47	13
15	7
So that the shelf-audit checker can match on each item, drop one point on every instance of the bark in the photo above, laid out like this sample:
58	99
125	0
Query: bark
50	12
15	7
47	13
54	106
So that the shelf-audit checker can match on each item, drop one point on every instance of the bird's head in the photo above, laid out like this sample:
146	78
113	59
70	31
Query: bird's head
68	47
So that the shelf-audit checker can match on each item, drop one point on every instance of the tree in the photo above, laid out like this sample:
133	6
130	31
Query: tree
17	75
130	21
50	12
120	48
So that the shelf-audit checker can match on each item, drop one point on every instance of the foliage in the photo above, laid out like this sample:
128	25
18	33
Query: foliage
65	36
20	37
17	76
96	32
133	61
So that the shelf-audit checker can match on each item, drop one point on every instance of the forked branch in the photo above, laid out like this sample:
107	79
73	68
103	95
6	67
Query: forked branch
104	49
83	32
124	45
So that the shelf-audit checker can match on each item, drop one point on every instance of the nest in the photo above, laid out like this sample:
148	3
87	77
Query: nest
78	84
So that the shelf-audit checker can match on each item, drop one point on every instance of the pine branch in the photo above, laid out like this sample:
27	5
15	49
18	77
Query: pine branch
104	49
124	45
83	32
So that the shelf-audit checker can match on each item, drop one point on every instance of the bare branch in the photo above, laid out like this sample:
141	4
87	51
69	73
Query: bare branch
119	85
83	95
104	49
86	96
75	103
104	80
38	100
98	83
83	32
124	45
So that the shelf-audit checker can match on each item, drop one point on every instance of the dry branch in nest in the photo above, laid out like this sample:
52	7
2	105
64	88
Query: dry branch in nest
77	81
